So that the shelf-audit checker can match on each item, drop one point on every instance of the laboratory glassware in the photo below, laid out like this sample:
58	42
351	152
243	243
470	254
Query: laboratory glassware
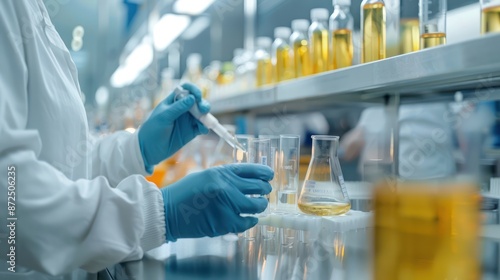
209	121
373	30
264	71
341	27
241	156
432	23
289	156
323	192
490	16
318	38
259	152
426	230
301	48
281	55
392	26
274	161
409	36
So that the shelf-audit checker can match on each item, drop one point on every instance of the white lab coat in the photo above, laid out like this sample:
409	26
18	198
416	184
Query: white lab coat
425	140
78	202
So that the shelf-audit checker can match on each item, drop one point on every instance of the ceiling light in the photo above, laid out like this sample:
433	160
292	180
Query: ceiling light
136	62
191	7
167	29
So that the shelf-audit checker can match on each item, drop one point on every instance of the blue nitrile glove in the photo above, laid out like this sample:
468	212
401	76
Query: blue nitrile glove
171	126
209	203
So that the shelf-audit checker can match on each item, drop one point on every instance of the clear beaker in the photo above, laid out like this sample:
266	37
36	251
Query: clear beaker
259	151
240	156
490	16
289	155
432	23
324	192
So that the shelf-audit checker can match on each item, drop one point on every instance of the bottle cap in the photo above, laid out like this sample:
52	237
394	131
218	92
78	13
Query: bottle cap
319	14
342	2
264	42
193	60
238	52
300	24
282	32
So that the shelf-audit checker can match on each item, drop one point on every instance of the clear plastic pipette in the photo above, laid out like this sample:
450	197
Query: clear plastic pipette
210	121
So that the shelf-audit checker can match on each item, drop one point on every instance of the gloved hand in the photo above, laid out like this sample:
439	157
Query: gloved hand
209	203
171	126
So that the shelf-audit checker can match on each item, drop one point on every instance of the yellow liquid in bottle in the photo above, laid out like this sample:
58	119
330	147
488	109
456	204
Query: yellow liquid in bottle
324	209
319	49
343	50
490	20
427	231
283	69
410	35
429	40
302	59
374	32
264	72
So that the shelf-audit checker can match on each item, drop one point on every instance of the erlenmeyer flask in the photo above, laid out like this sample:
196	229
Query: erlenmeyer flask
323	192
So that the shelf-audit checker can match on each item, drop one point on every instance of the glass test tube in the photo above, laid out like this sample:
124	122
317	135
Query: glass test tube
490	16
259	152
288	172
274	164
432	23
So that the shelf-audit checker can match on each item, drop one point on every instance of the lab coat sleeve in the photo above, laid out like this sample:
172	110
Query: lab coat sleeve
117	156
62	224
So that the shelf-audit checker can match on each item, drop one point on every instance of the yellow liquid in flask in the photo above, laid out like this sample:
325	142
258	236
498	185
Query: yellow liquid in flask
324	209
429	40
343	50
302	59
374	32
490	20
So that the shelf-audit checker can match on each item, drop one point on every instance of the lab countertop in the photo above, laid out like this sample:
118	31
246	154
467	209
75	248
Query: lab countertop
285	255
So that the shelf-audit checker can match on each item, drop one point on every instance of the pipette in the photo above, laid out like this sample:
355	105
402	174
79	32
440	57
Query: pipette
209	121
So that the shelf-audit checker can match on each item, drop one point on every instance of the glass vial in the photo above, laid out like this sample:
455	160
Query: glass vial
318	37
281	53
409	36
289	157
300	45
432	23
490	16
341	27
264	71
323	192
373	30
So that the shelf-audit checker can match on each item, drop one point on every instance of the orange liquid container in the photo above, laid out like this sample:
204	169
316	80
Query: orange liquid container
158	175
426	231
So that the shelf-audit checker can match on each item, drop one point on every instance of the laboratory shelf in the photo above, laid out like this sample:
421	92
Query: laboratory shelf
469	66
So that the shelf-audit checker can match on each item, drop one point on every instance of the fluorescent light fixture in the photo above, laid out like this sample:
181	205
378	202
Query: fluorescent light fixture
196	28
167	29
192	7
136	62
